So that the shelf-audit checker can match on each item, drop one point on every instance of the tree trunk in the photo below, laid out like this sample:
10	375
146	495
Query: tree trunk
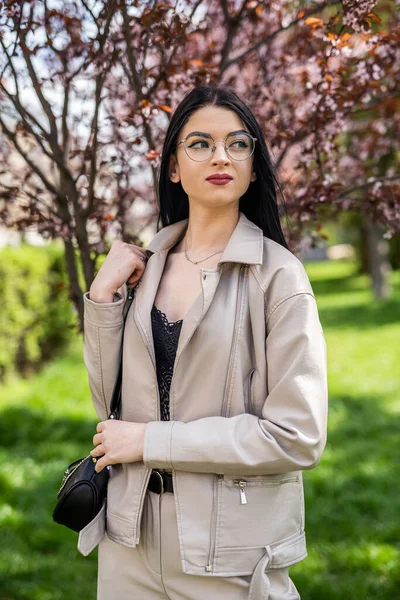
75	290
377	255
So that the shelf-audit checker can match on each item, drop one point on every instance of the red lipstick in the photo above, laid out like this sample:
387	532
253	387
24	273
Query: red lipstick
220	178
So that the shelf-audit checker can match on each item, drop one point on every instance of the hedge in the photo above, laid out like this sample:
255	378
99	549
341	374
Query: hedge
36	318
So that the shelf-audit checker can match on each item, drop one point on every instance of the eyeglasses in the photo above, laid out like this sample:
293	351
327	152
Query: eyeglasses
238	146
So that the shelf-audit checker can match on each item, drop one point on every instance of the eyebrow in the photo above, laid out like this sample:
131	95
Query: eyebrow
208	135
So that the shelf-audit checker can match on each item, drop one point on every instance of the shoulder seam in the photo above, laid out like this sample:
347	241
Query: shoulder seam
282	300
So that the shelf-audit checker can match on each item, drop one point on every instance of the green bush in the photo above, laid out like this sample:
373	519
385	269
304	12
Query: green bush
37	318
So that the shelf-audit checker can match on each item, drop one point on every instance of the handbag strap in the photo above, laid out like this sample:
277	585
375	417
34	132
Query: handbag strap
116	397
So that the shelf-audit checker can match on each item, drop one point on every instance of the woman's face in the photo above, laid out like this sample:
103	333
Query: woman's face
217	122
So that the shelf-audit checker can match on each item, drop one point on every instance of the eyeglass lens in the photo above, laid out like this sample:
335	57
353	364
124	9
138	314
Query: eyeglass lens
238	146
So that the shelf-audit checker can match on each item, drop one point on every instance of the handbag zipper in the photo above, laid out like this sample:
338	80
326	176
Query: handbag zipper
218	478
68	474
242	483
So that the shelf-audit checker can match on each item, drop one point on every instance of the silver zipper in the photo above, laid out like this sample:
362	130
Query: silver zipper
234	343
141	502
218	478
242	483
146	481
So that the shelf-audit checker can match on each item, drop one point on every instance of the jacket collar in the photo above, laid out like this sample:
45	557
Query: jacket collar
244	246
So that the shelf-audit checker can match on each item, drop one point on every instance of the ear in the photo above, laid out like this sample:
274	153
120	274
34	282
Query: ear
253	176
174	169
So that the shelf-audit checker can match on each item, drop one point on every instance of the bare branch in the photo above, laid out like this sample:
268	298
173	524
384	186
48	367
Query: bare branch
32	197
135	77
53	137
64	124
362	186
13	138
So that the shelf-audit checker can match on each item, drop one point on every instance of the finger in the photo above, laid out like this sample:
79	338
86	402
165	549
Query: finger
137	274
97	439
98	451
99	427
101	464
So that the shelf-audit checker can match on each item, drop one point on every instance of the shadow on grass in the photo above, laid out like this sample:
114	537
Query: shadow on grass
352	506
38	558
338	285
361	316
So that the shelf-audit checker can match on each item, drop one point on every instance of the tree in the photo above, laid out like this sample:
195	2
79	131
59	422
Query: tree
87	88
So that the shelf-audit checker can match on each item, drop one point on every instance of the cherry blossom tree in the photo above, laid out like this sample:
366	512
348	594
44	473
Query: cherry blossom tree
87	89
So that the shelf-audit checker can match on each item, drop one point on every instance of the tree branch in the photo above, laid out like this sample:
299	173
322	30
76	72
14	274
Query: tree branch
53	136
134	75
361	186
32	197
13	138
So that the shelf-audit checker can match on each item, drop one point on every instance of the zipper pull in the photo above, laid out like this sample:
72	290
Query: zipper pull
242	483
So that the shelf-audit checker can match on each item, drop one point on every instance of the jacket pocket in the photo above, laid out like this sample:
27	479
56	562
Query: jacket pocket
242	484
258	560
259	510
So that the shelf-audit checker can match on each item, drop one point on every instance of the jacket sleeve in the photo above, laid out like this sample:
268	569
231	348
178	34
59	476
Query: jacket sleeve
102	330
291	433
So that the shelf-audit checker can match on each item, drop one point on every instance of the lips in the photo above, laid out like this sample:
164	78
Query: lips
220	177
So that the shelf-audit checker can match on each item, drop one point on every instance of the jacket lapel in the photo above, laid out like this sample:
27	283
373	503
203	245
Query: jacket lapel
244	246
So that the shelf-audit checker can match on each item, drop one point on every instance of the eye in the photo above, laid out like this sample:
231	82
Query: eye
241	144
194	144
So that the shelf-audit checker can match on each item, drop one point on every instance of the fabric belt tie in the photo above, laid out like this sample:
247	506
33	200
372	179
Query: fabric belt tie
160	482
260	583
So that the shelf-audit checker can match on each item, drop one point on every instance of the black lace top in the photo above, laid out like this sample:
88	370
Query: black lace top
165	336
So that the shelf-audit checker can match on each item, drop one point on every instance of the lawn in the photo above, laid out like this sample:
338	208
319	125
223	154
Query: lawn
352	499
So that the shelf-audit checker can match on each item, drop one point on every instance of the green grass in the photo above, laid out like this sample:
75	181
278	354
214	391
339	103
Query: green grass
352	499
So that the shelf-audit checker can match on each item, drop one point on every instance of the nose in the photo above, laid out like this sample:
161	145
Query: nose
220	152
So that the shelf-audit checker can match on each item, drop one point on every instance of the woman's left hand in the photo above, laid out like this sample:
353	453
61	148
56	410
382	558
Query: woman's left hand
119	442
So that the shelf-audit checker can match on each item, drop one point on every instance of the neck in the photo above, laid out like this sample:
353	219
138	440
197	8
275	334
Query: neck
208	231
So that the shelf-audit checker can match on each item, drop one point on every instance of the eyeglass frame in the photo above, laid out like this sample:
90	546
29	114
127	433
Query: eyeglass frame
214	147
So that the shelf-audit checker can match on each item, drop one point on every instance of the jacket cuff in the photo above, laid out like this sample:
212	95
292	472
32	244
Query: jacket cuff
157	445
103	314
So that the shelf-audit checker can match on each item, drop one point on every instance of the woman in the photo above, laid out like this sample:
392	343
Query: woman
224	387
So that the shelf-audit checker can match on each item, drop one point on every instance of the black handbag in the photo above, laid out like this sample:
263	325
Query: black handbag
83	490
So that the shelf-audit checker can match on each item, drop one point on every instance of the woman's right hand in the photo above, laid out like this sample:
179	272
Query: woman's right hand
123	263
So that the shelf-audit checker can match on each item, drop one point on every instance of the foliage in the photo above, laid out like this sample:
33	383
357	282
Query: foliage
36	316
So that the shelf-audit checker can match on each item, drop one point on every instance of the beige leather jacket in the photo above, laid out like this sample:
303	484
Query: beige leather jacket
248	406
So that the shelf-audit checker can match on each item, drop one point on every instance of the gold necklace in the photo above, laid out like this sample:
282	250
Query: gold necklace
195	262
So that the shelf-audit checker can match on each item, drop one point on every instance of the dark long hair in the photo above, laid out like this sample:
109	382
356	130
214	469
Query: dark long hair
259	203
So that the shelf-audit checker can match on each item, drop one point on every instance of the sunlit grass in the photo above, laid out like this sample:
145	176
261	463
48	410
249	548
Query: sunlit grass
352	499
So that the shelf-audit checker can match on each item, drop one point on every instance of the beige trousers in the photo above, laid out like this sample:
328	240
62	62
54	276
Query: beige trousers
152	570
